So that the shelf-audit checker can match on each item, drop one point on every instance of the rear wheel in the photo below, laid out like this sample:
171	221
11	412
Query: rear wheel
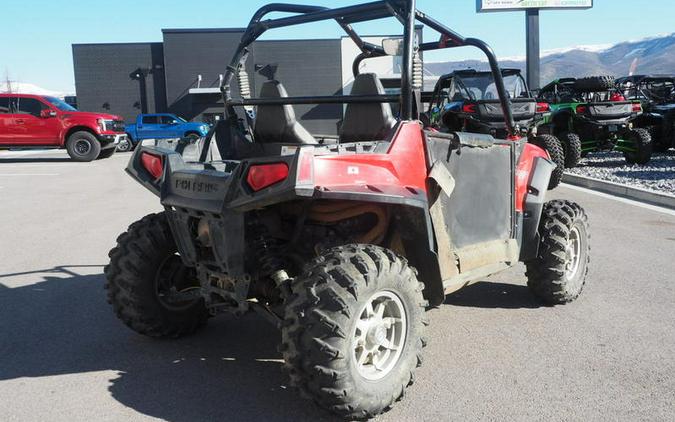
658	141
555	150
83	146
353	330
145	280
642	145
571	143
558	274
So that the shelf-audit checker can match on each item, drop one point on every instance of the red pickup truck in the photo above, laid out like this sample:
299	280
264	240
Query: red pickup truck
35	121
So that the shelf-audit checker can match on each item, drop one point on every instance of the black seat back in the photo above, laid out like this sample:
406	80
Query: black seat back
276	123
367	121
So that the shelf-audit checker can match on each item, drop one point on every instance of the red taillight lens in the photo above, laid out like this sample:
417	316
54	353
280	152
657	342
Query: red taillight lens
469	108
542	107
153	164
261	176
581	109
637	107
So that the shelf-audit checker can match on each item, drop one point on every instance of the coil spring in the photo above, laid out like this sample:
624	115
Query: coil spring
417	73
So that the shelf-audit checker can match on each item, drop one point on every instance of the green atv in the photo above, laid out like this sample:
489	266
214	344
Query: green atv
590	114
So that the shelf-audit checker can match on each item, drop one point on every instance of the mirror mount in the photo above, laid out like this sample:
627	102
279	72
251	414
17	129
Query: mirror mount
47	113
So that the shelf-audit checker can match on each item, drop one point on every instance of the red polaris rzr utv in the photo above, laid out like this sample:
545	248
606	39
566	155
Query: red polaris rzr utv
343	243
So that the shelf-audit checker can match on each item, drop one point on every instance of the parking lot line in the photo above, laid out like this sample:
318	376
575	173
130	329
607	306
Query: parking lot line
29	174
620	199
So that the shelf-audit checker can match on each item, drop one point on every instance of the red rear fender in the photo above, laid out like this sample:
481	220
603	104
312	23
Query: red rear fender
404	165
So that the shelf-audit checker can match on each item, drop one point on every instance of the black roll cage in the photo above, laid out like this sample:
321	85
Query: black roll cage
403	10
457	76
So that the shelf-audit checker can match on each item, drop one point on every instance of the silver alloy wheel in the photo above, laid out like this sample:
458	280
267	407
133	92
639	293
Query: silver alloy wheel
124	146
379	335
572	253
82	146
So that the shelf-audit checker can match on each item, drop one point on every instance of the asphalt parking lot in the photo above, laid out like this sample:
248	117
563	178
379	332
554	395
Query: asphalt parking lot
494	353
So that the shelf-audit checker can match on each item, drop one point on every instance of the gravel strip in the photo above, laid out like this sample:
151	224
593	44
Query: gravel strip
658	175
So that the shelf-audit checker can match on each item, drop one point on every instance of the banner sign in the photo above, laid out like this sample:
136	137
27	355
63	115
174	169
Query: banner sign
510	5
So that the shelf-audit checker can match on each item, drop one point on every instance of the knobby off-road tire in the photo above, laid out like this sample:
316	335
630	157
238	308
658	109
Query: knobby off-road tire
642	143
142	265
326	329
83	146
558	274
106	153
571	144
554	148
658	142
594	83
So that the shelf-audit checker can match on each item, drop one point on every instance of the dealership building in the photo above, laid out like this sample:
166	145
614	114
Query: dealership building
182	74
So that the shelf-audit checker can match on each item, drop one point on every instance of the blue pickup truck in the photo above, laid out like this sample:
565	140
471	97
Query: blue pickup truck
160	126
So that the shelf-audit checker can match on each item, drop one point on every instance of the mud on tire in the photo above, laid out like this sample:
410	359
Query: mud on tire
323	328
554	148
558	274
144	259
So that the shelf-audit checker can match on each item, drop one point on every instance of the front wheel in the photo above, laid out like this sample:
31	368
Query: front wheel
124	145
558	274
353	330
554	148
642	147
83	146
106	153
147	282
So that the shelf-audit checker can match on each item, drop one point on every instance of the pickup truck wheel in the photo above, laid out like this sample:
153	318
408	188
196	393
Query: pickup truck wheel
353	330
83	146
106	153
642	143
124	145
192	136
148	285
554	148
558	274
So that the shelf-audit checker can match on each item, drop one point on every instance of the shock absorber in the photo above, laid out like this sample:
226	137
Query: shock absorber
270	264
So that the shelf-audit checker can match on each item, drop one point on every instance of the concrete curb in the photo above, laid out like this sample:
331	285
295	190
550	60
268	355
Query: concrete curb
636	194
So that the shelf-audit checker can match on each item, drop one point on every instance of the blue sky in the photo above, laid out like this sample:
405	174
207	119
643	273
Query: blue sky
37	34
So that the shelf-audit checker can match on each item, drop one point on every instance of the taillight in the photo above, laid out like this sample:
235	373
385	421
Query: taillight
469	108
261	176
581	109
637	107
542	107
154	164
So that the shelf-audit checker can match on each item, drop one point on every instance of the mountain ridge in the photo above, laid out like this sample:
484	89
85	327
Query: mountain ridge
655	54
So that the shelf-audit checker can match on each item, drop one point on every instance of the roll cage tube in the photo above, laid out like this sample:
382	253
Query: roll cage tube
403	10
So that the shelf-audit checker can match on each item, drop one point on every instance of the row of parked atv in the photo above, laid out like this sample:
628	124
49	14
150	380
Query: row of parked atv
569	117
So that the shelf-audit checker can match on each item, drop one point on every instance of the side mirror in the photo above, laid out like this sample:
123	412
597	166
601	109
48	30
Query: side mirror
393	46
47	113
